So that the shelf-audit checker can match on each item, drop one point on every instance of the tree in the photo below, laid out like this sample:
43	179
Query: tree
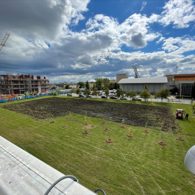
131	94
87	92
119	92
67	86
113	86
81	84
99	84
94	92
163	93
106	83
87	85
116	86
107	91
145	94
102	83
78	91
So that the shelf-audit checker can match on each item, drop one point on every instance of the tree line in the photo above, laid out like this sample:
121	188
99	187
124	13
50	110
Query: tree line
105	85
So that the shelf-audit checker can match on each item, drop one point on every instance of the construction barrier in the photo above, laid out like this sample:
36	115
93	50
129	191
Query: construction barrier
10	98
3	101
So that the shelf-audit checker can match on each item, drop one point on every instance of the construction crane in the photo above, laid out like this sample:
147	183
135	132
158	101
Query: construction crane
4	40
135	67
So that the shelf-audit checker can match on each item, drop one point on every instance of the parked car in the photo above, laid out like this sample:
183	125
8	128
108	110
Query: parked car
137	99
113	97
103	96
82	96
69	94
123	98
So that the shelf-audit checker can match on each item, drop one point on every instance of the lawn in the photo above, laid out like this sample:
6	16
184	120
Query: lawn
138	161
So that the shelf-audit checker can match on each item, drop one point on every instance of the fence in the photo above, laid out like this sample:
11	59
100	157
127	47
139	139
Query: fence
9	98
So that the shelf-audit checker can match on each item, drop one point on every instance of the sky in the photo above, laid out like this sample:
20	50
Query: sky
80	40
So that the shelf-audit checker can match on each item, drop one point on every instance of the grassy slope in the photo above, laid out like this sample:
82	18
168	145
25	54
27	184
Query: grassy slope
136	166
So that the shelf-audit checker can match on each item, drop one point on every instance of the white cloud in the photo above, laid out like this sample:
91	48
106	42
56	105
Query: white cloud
144	4
135	30
83	51
179	13
44	19
34	27
42	42
179	45
20	49
76	77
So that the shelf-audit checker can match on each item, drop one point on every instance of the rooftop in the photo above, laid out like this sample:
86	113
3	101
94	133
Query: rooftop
144	80
183	75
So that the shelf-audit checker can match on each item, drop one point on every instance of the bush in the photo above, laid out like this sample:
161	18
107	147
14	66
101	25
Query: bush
87	92
145	94
94	92
119	92
164	93
78	91
107	92
131	94
55	93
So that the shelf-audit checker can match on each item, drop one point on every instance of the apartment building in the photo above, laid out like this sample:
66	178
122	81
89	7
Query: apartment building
20	84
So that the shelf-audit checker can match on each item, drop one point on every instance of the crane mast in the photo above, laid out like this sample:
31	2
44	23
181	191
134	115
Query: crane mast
4	40
135	71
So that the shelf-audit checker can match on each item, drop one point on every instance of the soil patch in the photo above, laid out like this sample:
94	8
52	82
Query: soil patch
132	114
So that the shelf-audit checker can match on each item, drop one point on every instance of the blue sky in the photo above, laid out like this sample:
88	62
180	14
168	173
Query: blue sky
71	41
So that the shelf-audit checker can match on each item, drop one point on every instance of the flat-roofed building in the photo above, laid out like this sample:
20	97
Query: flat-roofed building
20	84
182	84
152	84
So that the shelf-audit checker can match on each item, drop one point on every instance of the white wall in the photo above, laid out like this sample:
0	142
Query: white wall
152	88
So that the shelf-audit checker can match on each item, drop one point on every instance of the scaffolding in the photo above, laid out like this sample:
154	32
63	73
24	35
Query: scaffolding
21	84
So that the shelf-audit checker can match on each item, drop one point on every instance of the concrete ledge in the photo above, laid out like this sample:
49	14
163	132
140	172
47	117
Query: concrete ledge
21	173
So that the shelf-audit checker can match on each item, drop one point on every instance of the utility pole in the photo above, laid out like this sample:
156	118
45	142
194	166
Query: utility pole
4	40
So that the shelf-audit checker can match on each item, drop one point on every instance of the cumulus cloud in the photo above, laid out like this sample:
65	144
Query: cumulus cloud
42	41
150	63
45	18
103	36
35	26
137	40
179	45
180	13
133	31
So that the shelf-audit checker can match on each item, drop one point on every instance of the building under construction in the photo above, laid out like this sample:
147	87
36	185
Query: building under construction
20	84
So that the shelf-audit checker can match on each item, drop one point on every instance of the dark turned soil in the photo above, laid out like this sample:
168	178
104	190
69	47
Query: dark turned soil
132	114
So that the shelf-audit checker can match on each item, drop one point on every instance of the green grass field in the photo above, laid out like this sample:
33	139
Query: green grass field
137	164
